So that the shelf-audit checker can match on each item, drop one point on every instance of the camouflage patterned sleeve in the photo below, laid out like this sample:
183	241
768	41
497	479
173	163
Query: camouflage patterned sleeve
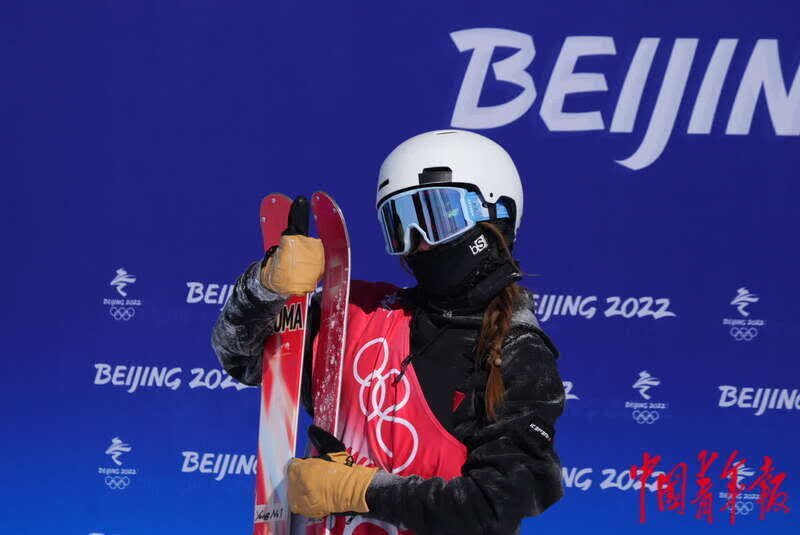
244	324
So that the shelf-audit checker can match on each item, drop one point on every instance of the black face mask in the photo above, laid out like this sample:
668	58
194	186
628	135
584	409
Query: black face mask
465	274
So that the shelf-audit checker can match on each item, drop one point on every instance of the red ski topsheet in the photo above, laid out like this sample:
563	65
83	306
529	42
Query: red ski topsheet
327	373
326	376
280	390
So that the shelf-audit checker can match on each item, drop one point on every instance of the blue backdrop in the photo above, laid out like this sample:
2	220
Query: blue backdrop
658	145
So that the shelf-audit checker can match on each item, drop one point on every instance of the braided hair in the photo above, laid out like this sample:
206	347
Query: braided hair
494	328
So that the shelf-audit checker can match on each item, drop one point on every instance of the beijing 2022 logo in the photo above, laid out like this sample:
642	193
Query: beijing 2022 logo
121	307
744	328
746	502
647	411
117	477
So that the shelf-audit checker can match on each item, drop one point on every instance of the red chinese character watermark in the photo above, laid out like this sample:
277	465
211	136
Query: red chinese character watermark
647	469
704	497
771	499
671	487
731	472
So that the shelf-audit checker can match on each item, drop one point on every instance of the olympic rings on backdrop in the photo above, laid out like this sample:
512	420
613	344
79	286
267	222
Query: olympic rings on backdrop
645	417
117	482
744	508
122	313
743	333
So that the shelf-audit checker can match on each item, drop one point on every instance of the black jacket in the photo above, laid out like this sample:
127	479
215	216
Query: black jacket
512	469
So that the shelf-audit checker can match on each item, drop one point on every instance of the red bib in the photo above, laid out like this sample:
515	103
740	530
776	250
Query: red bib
384	418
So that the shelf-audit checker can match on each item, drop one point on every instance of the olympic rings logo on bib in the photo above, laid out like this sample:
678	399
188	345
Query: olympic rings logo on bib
374	394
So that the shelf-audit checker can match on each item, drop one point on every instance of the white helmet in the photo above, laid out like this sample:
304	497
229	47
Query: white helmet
457	158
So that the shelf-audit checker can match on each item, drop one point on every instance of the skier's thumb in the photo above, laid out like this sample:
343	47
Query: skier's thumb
295	267
298	218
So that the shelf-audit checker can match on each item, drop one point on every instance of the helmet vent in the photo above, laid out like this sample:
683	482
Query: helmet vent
448	132
384	183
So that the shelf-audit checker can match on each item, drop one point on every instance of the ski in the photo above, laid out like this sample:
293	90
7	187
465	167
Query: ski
326	376
280	390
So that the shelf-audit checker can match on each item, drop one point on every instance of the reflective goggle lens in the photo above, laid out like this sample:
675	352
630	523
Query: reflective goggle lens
437	213
444	210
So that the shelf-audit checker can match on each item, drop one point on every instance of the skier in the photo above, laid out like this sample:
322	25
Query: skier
450	390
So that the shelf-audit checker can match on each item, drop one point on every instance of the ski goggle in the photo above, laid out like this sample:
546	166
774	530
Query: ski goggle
438	214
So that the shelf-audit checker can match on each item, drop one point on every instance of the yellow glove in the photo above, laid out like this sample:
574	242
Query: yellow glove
318	487
295	267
